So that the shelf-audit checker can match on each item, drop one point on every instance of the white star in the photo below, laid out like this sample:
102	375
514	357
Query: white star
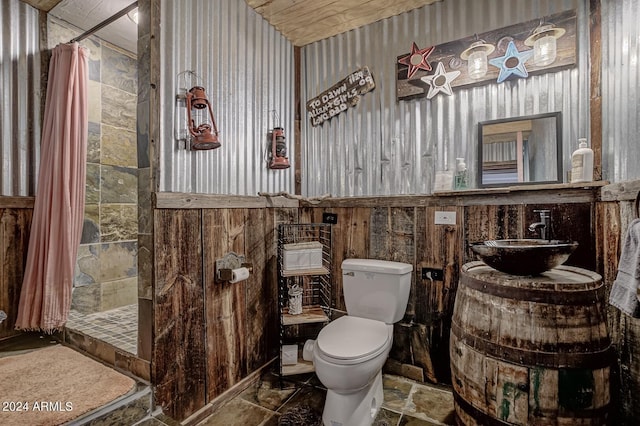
440	81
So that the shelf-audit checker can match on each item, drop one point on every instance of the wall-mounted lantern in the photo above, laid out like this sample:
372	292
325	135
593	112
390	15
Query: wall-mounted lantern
193	119
543	40
279	159
202	126
476	57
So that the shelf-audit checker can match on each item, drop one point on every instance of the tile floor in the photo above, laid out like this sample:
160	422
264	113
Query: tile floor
265	403
118	327
405	403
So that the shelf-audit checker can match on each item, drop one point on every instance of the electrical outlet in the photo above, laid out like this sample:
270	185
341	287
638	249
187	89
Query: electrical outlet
445	218
434	274
331	218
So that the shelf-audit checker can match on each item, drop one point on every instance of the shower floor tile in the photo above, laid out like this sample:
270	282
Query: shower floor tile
118	327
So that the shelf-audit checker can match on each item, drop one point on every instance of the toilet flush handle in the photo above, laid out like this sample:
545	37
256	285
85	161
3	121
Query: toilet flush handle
351	274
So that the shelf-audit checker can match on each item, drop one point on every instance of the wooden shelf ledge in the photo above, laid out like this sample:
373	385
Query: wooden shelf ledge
309	315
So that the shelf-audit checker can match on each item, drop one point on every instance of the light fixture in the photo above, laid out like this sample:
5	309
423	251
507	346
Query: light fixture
202	126
476	57
279	159
543	39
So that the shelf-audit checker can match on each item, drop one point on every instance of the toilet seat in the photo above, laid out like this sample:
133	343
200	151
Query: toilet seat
352	340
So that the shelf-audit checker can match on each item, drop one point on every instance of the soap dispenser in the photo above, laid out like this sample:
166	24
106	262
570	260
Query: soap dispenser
582	163
461	179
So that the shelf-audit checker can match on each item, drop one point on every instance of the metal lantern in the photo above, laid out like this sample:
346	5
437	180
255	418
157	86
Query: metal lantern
202	126
279	158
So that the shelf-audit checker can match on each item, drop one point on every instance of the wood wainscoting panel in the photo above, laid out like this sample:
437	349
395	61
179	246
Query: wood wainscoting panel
350	241
223	231
439	247
15	226
262	290
179	361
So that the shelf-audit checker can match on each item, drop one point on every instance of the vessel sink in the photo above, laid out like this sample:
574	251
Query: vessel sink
524	256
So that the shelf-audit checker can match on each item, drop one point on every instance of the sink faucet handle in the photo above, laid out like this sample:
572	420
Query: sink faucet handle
544	213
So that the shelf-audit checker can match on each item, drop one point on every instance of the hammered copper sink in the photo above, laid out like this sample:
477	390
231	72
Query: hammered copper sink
524	256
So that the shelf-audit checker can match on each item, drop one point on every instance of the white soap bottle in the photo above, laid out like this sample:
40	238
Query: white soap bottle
582	163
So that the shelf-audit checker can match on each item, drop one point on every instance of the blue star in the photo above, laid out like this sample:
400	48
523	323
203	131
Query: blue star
512	63
440	81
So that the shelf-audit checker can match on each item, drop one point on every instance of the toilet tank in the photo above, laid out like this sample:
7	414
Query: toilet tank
376	289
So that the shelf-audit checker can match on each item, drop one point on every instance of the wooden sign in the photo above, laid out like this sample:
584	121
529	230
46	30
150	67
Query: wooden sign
449	55
346	93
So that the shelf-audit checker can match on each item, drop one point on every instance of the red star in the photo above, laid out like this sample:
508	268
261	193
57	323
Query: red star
417	59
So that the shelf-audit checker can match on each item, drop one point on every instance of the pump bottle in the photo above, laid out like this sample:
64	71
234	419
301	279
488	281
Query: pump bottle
461	179
582	163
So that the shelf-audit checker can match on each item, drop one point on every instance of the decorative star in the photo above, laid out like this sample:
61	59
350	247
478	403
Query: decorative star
440	81
417	59
512	63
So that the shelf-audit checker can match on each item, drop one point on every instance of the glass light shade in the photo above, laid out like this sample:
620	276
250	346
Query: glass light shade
477	64
544	50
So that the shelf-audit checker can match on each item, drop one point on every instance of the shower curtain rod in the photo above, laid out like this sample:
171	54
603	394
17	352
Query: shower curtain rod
105	22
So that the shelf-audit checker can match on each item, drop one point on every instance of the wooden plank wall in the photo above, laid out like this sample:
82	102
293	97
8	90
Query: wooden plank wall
613	216
15	225
209	335
408	234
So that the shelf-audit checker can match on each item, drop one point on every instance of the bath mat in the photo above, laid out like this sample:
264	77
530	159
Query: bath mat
53	385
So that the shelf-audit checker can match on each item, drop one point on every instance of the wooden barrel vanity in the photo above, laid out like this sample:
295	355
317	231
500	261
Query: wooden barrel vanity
529	350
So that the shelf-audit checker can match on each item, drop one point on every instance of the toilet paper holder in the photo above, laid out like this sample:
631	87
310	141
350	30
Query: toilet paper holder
229	262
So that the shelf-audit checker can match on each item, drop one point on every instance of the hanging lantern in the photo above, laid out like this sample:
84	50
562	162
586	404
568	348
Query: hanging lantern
279	158
543	40
476	57
200	121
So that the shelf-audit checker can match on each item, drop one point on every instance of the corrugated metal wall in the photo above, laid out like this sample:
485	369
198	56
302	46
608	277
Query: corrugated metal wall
247	68
20	95
385	147
620	90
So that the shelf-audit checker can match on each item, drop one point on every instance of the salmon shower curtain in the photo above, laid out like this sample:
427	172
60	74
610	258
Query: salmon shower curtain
58	213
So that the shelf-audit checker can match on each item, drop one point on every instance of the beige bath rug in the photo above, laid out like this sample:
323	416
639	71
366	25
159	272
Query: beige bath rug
54	385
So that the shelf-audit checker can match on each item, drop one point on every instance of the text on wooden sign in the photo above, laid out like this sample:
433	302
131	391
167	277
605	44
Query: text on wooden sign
344	94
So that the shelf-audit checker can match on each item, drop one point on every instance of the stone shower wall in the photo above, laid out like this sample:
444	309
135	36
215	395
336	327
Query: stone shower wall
106	269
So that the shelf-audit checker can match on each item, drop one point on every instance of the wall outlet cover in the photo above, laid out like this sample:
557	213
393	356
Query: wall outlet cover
445	218
331	218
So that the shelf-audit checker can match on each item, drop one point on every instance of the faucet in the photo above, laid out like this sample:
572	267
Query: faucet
544	226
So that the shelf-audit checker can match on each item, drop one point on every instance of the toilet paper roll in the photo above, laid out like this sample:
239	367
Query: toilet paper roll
239	274
307	350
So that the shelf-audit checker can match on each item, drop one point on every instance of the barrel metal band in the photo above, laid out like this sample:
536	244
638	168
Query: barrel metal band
600	358
553	297
598	416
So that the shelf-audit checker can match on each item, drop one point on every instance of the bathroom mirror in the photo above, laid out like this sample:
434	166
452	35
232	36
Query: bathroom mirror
520	150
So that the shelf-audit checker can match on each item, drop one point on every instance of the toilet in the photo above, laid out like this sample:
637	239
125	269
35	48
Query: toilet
350	351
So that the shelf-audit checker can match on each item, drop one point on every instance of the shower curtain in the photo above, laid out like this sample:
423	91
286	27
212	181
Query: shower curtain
58	212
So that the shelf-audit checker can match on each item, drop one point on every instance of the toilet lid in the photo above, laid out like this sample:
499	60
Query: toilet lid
352	337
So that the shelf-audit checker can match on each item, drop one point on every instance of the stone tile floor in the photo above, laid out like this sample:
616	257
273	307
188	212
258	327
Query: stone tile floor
118	327
405	403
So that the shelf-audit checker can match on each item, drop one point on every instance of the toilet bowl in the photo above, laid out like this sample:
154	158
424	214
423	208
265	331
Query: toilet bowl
349	352
348	357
